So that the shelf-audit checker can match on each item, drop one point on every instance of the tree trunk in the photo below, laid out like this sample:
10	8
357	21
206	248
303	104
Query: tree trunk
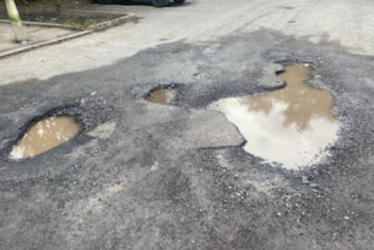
15	20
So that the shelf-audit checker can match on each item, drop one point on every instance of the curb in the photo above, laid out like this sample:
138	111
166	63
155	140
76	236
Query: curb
41	44
88	30
114	22
99	26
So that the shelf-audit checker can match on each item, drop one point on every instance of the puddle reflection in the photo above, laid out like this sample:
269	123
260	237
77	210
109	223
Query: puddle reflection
45	135
291	126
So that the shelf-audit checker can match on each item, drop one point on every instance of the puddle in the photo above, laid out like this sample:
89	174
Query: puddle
161	96
292	126
45	135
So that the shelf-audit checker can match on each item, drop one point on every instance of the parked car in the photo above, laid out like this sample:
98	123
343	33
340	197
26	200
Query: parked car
157	3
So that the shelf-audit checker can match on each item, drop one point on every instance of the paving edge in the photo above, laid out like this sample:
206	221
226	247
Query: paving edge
45	43
90	29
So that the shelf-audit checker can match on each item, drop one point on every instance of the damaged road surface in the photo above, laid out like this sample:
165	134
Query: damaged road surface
292	125
156	167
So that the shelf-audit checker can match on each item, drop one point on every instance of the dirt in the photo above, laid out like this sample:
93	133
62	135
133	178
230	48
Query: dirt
47	11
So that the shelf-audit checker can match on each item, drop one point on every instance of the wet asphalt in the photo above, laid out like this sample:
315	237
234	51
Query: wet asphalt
150	176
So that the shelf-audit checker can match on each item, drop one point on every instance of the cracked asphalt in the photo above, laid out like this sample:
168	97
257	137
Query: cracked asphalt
150	176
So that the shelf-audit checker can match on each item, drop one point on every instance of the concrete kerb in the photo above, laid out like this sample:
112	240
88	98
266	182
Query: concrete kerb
49	42
95	27
114	22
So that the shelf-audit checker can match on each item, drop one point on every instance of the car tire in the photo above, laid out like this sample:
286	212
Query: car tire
179	1
160	3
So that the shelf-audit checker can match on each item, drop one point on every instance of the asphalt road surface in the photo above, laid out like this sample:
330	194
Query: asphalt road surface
150	176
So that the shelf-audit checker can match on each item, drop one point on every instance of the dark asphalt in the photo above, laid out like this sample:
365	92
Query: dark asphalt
135	180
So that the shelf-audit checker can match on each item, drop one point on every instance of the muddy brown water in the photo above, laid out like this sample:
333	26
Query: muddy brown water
45	135
161	96
292	126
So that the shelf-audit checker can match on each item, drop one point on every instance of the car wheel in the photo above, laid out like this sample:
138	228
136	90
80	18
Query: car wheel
160	3
179	1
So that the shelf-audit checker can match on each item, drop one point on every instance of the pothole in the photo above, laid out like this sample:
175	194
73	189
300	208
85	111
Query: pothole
161	96
292	126
45	135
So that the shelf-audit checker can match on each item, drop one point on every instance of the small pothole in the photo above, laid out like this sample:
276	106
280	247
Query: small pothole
161	96
292	126
46	134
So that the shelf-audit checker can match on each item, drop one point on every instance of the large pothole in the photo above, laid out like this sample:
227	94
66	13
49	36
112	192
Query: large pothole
46	134
292	126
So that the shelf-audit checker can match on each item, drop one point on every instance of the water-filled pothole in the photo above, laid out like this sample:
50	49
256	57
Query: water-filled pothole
45	135
161	96
292	126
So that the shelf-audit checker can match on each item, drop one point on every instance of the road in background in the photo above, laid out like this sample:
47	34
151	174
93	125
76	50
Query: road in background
347	23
